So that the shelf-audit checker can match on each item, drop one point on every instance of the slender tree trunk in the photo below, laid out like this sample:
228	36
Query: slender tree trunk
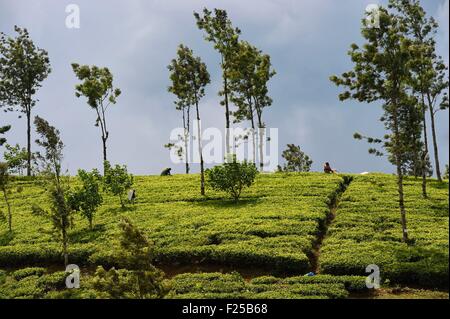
9	210
261	141
102	121
402	201
253	142
400	178
186	139
104	154
186	154
424	176
200	151
65	253
435	145
227	110
418	163
425	133
425	151
28	142
252	120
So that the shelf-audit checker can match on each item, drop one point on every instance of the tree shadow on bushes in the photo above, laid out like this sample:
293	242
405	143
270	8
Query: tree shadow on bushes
6	237
422	267
119	209
87	235
230	203
438	185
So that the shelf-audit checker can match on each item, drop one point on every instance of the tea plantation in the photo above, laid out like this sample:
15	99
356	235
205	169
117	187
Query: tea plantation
273	235
367	231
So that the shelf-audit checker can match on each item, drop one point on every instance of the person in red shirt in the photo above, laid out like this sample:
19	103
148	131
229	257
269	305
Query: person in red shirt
327	169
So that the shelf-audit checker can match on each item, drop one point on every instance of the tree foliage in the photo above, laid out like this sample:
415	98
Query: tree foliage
117	181
429	78
3	130
87	198
232	177
249	72
137	278
219	30
50	140
97	86
23	67
60	213
189	76
16	157
382	71
296	160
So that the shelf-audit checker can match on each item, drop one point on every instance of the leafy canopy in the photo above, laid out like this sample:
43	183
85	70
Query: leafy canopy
117	181
232	177
137	278
87	198
296	160
23	67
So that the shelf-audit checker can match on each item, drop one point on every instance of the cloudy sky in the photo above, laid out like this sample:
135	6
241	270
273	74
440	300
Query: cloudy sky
136	39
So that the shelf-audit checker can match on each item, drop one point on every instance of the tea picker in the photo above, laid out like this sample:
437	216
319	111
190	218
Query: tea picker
132	195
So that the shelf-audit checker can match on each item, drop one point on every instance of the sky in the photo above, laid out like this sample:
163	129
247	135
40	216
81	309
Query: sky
307	40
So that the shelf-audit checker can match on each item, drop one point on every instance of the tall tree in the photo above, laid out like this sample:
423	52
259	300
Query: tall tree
250	71
242	82
23	67
189	77
60	213
381	73
430	71
178	88
264	72
220	31
97	86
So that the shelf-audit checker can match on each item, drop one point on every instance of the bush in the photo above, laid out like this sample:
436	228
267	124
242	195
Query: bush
54	281
87	199
232	177
141	279
117	181
27	272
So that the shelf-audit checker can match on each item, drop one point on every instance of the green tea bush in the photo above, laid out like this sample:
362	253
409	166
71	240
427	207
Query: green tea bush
26	272
54	281
232	177
224	286
367	231
274	224
117	181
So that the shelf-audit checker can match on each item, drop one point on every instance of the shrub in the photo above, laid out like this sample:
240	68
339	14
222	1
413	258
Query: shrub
54	281
232	177
117	181
141	279
26	272
86	199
